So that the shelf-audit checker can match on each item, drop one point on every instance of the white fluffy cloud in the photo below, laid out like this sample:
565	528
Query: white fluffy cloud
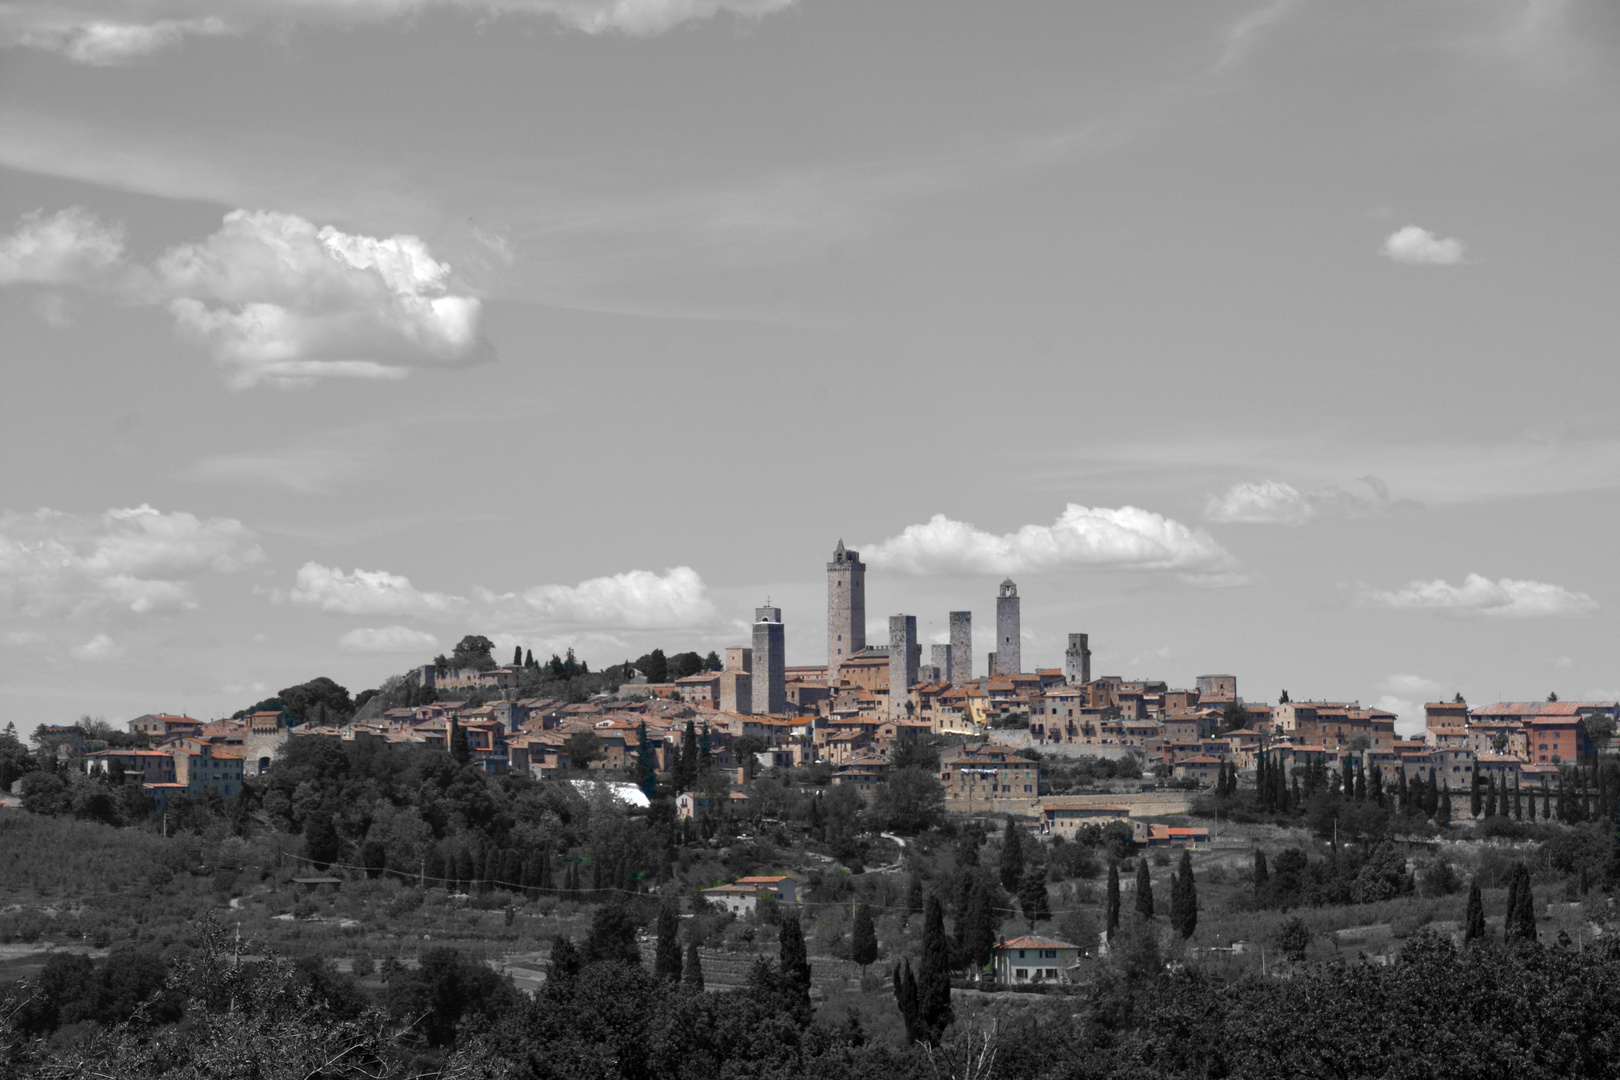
637	599
98	649
275	299
1420	247
278	300
1272	502
116	31
366	592
1268	502
388	639
141	559
1126	538
71	246
1478	595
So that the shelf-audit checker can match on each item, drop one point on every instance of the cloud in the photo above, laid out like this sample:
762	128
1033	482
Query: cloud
1411	715
1420	247
275	299
366	592
103	32
637	599
1416	685
68	247
1564	663
278	300
388	639
1479	595
1126	538
1267	502
98	649
141	559
1272	502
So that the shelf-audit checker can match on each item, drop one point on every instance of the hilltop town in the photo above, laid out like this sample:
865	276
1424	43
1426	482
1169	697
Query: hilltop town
998	724
875	859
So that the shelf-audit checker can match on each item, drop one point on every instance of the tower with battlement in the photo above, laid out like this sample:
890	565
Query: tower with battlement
1007	629
769	692
1077	660
961	671
846	608
904	657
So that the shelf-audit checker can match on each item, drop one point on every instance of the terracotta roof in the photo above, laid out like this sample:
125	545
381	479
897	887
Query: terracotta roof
1034	943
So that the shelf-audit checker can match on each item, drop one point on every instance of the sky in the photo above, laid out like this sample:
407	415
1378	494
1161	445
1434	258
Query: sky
1273	338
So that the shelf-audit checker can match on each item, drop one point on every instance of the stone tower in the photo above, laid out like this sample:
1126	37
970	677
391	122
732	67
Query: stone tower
1007	630
941	661
769	693
846	608
961	671
1077	660
904	656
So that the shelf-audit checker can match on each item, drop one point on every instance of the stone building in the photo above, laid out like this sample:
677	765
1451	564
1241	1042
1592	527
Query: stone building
940	659
904	656
1077	660
769	690
961	672
1007	630
846	608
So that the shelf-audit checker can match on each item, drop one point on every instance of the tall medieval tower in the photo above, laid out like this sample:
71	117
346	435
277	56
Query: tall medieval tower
1077	660
846	608
961	648
1007	630
904	654
769	693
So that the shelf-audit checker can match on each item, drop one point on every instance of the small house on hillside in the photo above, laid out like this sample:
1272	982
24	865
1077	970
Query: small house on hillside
1024	960
741	897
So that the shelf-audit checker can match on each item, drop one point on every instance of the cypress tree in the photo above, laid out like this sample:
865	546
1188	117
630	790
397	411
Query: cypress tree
686	773
1262	874
1262	780
1444	816
1032	895
458	743
1531	801
1490	797
1476	794
1012	858
692	971
667	954
794	960
1521	916
1431	794
905	997
1347	783
863	944
646	762
1518	800
564	966
1375	784
1144	888
1361	783
1112	913
1546	801
1184	898
933	985
1474	923
979	933
517	656
705	751
528	659
1402	791
1294	798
